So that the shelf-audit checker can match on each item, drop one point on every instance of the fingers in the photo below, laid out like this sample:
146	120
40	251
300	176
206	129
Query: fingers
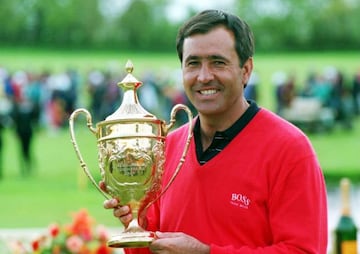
111	203
160	235
124	214
119	211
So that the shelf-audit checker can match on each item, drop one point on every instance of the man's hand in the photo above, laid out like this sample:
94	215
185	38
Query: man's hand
121	212
177	243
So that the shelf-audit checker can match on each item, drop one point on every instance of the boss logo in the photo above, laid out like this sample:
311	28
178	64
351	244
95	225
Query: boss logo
240	200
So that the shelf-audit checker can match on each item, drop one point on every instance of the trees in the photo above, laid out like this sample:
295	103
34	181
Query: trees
144	25
52	23
303	25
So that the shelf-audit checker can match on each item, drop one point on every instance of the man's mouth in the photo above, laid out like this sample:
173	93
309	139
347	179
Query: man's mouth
208	92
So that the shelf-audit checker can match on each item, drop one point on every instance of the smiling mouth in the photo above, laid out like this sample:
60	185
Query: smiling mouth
208	92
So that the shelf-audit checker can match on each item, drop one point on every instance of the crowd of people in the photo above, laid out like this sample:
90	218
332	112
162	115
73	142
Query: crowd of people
30	100
336	97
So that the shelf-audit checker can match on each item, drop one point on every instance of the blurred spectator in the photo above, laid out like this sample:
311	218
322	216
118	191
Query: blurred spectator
278	79
284	90
251	88
340	100
5	108
60	99
33	93
71	95
1	147
111	97
96	89
174	94
150	94
321	89
3	74
23	116
309	84
356	93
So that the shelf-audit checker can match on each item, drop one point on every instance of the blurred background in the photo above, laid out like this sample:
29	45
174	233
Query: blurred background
59	55
151	25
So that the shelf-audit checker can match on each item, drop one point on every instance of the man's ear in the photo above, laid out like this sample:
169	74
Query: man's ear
247	68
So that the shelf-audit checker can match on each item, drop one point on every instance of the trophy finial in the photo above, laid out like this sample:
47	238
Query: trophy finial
129	67
130	107
129	82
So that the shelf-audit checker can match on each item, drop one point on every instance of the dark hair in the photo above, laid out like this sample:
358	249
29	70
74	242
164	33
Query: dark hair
207	20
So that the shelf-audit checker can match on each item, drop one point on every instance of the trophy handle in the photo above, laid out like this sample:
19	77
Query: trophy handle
174	110
76	147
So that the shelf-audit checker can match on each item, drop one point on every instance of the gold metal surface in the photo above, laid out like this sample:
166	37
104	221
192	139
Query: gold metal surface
131	147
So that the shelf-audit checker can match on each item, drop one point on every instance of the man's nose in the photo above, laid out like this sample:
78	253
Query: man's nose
205	74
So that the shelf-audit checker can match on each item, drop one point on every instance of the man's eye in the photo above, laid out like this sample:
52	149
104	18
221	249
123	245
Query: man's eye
219	63
193	63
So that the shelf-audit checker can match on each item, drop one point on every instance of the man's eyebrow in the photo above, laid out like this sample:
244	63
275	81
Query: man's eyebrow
209	57
217	57
192	57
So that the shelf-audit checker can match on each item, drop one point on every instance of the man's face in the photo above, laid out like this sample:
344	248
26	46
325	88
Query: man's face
212	76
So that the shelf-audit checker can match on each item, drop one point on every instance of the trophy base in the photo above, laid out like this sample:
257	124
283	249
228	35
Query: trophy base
131	240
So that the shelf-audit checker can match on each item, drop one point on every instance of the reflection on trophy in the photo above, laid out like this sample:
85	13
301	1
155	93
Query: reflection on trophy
131	158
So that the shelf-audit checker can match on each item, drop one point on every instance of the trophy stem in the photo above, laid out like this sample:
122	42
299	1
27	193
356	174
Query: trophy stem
134	236
134	226
134	223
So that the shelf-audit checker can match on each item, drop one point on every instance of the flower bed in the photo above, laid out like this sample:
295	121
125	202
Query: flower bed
81	236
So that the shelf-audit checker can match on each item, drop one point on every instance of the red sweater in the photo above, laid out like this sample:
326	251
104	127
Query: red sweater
264	193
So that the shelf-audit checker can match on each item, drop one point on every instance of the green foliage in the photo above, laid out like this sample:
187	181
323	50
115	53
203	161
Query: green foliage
57	23
145	25
303	25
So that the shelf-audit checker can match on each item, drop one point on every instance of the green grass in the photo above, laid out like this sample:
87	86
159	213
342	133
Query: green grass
60	60
338	153
59	187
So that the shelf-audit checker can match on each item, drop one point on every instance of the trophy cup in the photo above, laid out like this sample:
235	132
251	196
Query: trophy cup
131	144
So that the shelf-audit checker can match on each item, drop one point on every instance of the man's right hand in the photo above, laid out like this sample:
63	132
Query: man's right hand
119	211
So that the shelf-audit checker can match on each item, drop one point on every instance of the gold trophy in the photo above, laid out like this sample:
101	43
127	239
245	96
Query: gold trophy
131	144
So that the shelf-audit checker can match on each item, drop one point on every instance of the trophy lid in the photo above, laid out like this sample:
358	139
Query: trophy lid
130	107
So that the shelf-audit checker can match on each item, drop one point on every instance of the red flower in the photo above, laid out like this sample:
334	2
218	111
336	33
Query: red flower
54	230
103	249
101	233
82	225
35	245
74	243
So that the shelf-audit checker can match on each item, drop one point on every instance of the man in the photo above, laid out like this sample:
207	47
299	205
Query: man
251	182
